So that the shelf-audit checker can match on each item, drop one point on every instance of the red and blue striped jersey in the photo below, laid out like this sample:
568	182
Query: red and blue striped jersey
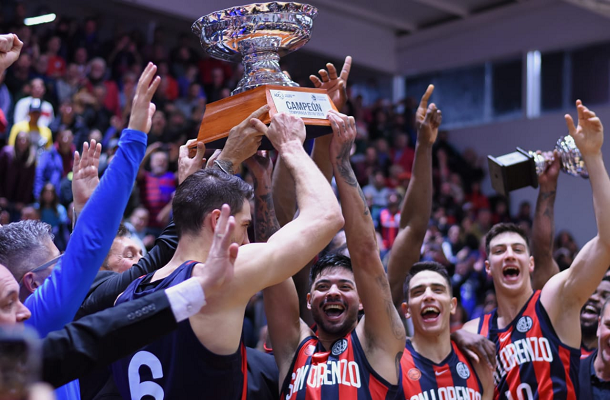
453	378
339	374
531	360
585	351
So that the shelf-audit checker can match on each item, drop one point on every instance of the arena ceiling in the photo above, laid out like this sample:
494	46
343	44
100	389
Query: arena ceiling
410	16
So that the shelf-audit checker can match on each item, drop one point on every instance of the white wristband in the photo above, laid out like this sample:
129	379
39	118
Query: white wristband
186	299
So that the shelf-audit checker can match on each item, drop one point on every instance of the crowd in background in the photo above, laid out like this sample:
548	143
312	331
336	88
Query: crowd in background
72	84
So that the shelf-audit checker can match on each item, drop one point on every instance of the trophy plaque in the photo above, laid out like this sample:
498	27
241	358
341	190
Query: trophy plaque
521	168
259	34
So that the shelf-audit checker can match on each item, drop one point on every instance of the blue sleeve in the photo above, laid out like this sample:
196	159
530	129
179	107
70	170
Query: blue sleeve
55	303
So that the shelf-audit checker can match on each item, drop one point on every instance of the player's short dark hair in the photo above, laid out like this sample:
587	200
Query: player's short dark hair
330	260
504	227
426	266
204	191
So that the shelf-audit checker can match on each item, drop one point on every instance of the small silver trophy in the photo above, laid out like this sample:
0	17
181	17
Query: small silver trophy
521	168
258	34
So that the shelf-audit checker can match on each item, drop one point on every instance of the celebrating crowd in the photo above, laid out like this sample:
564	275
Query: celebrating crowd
364	264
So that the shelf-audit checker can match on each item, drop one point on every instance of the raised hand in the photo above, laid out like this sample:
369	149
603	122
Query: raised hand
344	134
219	266
85	176
260	164
142	109
551	173
589	134
189	165
427	119
285	129
244	140
10	48
335	85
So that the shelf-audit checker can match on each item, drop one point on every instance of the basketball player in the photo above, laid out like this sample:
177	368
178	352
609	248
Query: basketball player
536	333
206	356
345	358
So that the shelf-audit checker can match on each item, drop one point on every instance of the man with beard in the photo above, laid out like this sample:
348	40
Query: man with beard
344	358
594	376
589	317
537	345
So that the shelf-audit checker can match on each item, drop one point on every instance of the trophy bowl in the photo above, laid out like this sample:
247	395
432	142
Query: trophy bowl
521	168
258	34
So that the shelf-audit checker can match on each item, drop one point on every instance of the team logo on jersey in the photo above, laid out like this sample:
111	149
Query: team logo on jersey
310	350
339	347
462	370
525	324
414	374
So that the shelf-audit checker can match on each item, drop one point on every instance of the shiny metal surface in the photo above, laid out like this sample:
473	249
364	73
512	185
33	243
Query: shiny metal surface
258	34
571	159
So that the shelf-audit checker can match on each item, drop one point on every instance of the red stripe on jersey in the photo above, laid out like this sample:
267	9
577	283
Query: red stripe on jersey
377	389
244	371
584	352
443	376
485	326
410	379
564	355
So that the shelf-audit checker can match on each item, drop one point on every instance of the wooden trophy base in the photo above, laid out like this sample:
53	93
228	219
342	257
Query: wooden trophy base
308	103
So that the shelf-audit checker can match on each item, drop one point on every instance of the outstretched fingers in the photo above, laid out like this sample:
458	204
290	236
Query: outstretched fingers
347	66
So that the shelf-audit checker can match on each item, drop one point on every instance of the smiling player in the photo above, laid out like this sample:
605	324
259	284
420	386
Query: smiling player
537	346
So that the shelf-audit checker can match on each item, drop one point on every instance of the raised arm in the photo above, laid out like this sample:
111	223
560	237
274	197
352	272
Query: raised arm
335	84
56	301
290	248
543	231
565	294
417	207
380	331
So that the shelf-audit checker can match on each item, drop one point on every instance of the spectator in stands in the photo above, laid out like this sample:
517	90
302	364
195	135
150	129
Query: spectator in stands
69	83
40	135
402	154
56	63
54	214
378	193
17	171
55	164
156	185
6	100
214	89
23	106
195	97
97	76
389	220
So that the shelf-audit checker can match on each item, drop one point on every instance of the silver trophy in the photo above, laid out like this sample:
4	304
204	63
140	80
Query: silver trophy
258	34
521	168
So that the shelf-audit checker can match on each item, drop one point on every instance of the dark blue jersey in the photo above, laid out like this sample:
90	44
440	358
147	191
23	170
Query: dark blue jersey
178	366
